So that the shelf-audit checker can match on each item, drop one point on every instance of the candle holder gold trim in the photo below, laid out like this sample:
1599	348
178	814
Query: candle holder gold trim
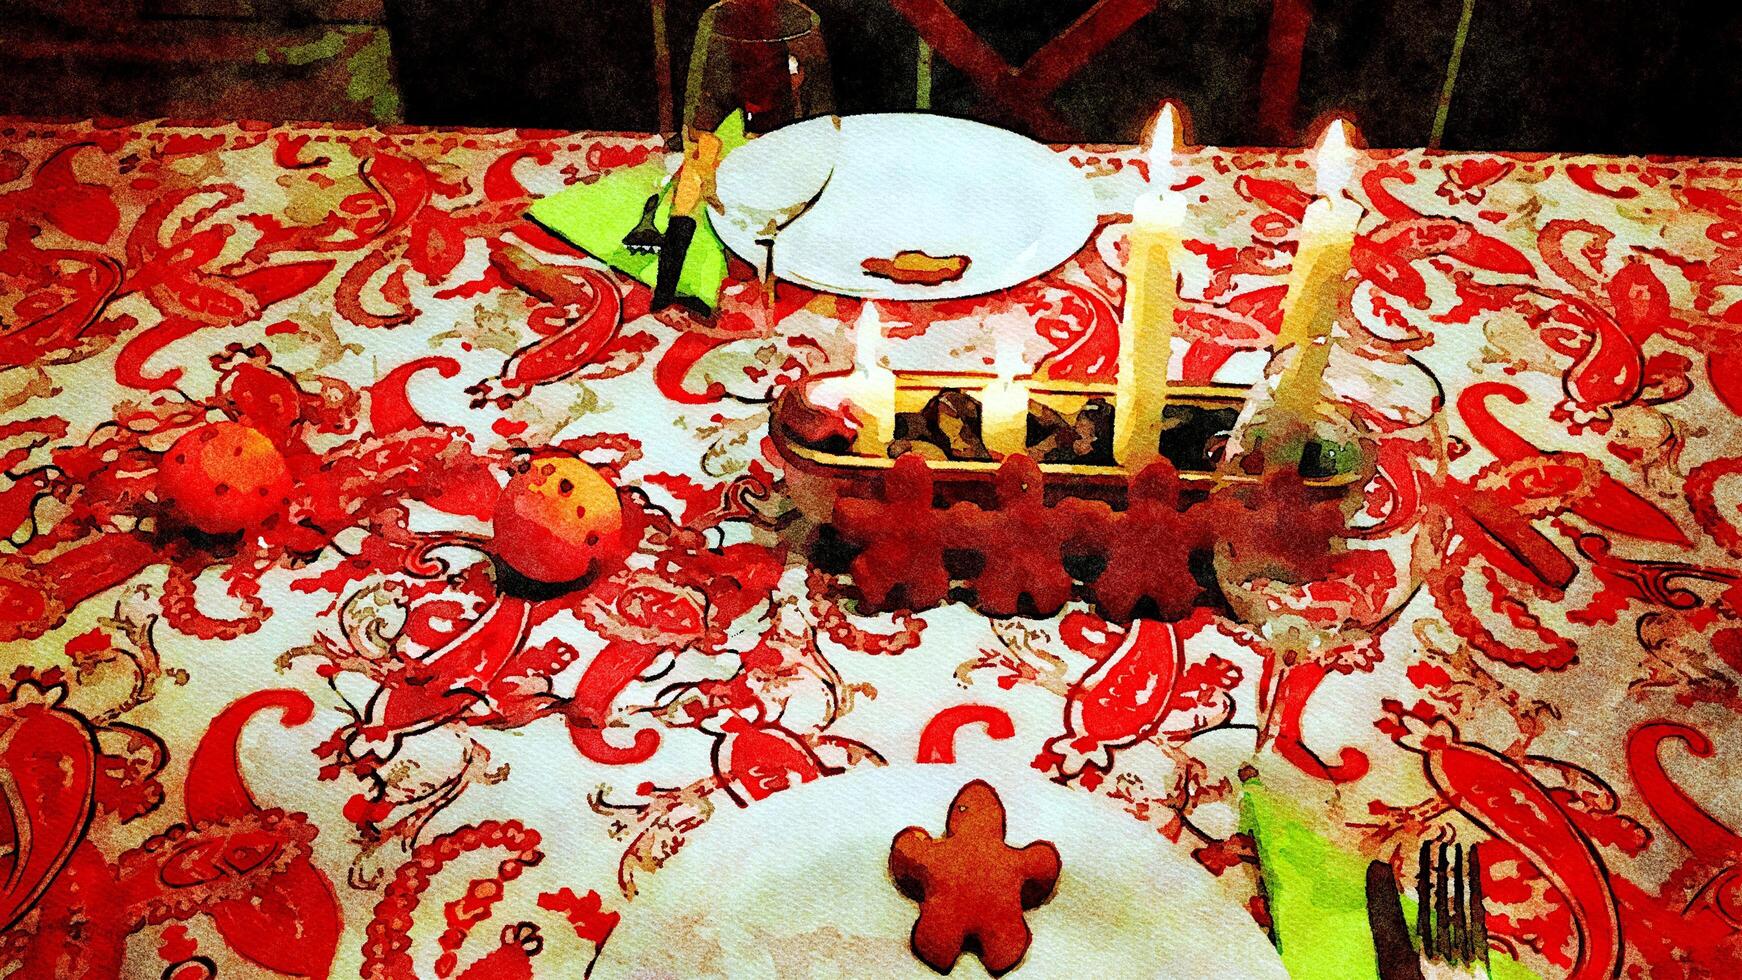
914	389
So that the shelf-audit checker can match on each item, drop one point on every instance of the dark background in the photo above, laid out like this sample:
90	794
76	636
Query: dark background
1619	76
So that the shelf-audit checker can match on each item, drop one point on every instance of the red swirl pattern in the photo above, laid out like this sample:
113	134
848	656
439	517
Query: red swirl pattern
261	390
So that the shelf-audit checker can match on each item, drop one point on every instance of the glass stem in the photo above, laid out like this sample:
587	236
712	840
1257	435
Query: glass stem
767	270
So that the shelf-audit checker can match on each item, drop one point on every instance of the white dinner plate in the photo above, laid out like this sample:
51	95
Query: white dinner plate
904	181
797	885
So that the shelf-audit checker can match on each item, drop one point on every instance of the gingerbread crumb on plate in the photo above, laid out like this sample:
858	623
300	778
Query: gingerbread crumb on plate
912	267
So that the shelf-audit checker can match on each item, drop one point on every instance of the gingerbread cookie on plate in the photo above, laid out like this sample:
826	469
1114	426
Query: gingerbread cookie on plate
971	886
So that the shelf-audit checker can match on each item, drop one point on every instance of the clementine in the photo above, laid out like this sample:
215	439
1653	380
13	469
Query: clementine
222	477
559	521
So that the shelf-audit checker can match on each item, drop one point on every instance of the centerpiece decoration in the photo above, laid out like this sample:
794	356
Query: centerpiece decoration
1017	493
1155	237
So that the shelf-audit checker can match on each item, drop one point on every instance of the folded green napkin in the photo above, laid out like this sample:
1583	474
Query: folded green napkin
594	218
1318	895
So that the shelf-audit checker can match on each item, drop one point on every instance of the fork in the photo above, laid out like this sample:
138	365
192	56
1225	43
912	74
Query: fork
1450	918
644	238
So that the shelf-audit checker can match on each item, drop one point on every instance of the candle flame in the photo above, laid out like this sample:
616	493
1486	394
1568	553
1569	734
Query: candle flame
1007	360
1166	138
1334	159
867	335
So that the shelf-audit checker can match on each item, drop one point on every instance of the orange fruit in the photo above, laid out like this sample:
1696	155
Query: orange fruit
223	477
559	521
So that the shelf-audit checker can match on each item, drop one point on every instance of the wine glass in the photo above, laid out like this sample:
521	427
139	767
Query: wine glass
1367	460
765	188
766	59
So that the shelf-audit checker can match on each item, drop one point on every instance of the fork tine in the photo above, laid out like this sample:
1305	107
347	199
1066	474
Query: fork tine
645	238
1442	905
1478	940
1457	935
1424	922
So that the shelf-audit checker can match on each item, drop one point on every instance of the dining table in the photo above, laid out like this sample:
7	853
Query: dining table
313	733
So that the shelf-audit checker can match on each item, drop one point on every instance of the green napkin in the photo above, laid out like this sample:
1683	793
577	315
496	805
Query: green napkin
594	218
1318	896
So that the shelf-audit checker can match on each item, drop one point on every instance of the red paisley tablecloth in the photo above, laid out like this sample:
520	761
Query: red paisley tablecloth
199	775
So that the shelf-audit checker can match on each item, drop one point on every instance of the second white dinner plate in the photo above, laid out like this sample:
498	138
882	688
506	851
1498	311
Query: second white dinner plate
797	885
892	182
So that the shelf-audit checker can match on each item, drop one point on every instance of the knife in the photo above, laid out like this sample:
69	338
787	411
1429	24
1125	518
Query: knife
1391	946
680	227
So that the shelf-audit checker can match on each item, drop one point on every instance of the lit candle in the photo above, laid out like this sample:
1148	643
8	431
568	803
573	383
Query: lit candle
1004	406
1146	332
870	388
1315	284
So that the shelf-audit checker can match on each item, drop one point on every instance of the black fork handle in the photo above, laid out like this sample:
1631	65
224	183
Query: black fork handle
678	232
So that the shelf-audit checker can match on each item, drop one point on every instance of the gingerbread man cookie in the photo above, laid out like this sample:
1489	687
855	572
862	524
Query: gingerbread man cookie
972	888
